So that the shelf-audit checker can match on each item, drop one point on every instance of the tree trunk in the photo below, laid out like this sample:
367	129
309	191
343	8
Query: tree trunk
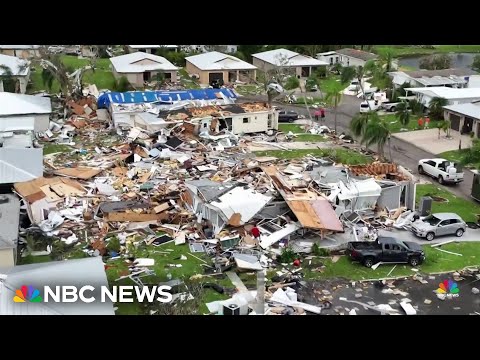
390	149
335	117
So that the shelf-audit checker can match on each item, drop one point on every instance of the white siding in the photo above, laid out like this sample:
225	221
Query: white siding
42	122
257	122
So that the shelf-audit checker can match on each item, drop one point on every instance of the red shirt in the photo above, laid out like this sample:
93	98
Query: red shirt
322	112
420	122
255	232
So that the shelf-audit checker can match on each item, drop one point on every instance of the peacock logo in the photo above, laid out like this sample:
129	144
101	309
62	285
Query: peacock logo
448	288
27	294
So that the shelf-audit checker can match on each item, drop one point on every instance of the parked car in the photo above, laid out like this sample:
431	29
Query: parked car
385	249
439	224
287	116
56	49
374	106
391	106
441	169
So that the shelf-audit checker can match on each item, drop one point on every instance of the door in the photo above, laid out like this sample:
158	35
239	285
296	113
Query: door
455	122
429	166
444	228
388	253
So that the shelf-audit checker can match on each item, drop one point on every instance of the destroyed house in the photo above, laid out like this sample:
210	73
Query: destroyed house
138	108
236	118
222	205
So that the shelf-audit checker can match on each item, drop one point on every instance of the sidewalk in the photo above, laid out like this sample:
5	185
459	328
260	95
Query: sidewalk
428	140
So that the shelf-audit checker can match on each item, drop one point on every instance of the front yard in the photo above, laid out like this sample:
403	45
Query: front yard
342	156
466	209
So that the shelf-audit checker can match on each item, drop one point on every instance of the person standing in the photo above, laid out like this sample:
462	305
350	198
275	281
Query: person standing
317	115
420	123
256	232
427	122
322	114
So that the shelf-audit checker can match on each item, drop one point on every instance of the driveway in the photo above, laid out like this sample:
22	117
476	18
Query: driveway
429	141
403	152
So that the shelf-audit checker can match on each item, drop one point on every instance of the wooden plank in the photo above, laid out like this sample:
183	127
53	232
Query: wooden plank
134	217
161	207
235	220
62	189
83	173
49	194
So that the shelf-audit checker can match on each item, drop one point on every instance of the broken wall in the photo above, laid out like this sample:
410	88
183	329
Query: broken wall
390	197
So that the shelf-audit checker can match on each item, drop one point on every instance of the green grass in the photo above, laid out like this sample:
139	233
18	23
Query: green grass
436	261
464	208
190	267
454	155
310	138
294	128
404	51
249	89
55	148
342	156
102	77
395	126
310	100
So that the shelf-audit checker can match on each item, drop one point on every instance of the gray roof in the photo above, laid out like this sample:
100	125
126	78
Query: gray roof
444	73
20	104
469	109
359	54
79	272
9	220
19	47
209	189
446	216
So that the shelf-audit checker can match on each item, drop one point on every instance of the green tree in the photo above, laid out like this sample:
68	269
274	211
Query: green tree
359	122
436	107
416	107
403	114
386	58
292	83
6	76
347	74
333	90
446	126
248	50
436	62
122	84
476	63
472	154
377	132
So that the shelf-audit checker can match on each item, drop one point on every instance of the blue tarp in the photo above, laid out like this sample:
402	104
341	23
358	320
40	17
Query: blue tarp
137	97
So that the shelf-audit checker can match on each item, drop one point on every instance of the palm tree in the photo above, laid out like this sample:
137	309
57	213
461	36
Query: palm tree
416	106
333	91
348	74
436	107
403	114
359	123
378	132
446	124
386	58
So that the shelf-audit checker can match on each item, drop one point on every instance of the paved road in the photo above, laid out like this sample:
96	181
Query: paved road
403	152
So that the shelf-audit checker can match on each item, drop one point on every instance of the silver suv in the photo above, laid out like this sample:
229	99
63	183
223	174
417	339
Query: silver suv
439	224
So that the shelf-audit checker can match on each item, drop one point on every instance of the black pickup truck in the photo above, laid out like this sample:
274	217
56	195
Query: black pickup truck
385	249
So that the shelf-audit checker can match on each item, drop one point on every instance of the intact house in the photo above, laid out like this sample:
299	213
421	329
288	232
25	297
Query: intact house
9	223
21	51
301	65
150	49
330	57
140	67
454	78
216	66
454	96
354	57
464	117
229	49
78	272
20	112
245	118
16	71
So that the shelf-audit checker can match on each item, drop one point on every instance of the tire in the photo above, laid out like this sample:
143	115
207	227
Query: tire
440	180
414	261
430	236
393	108
291	120
459	232
420	170
368	262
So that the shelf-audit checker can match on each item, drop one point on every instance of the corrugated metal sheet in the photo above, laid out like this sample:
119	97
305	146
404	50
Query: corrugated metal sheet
19	165
138	97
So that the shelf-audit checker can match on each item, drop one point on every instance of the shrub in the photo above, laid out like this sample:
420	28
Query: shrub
292	83
122	84
318	251
114	244
287	256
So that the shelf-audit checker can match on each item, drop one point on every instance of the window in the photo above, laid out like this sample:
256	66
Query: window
403	249
336	59
246	120
205	125
430	162
269	116
387	246
331	61
396	247
444	223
